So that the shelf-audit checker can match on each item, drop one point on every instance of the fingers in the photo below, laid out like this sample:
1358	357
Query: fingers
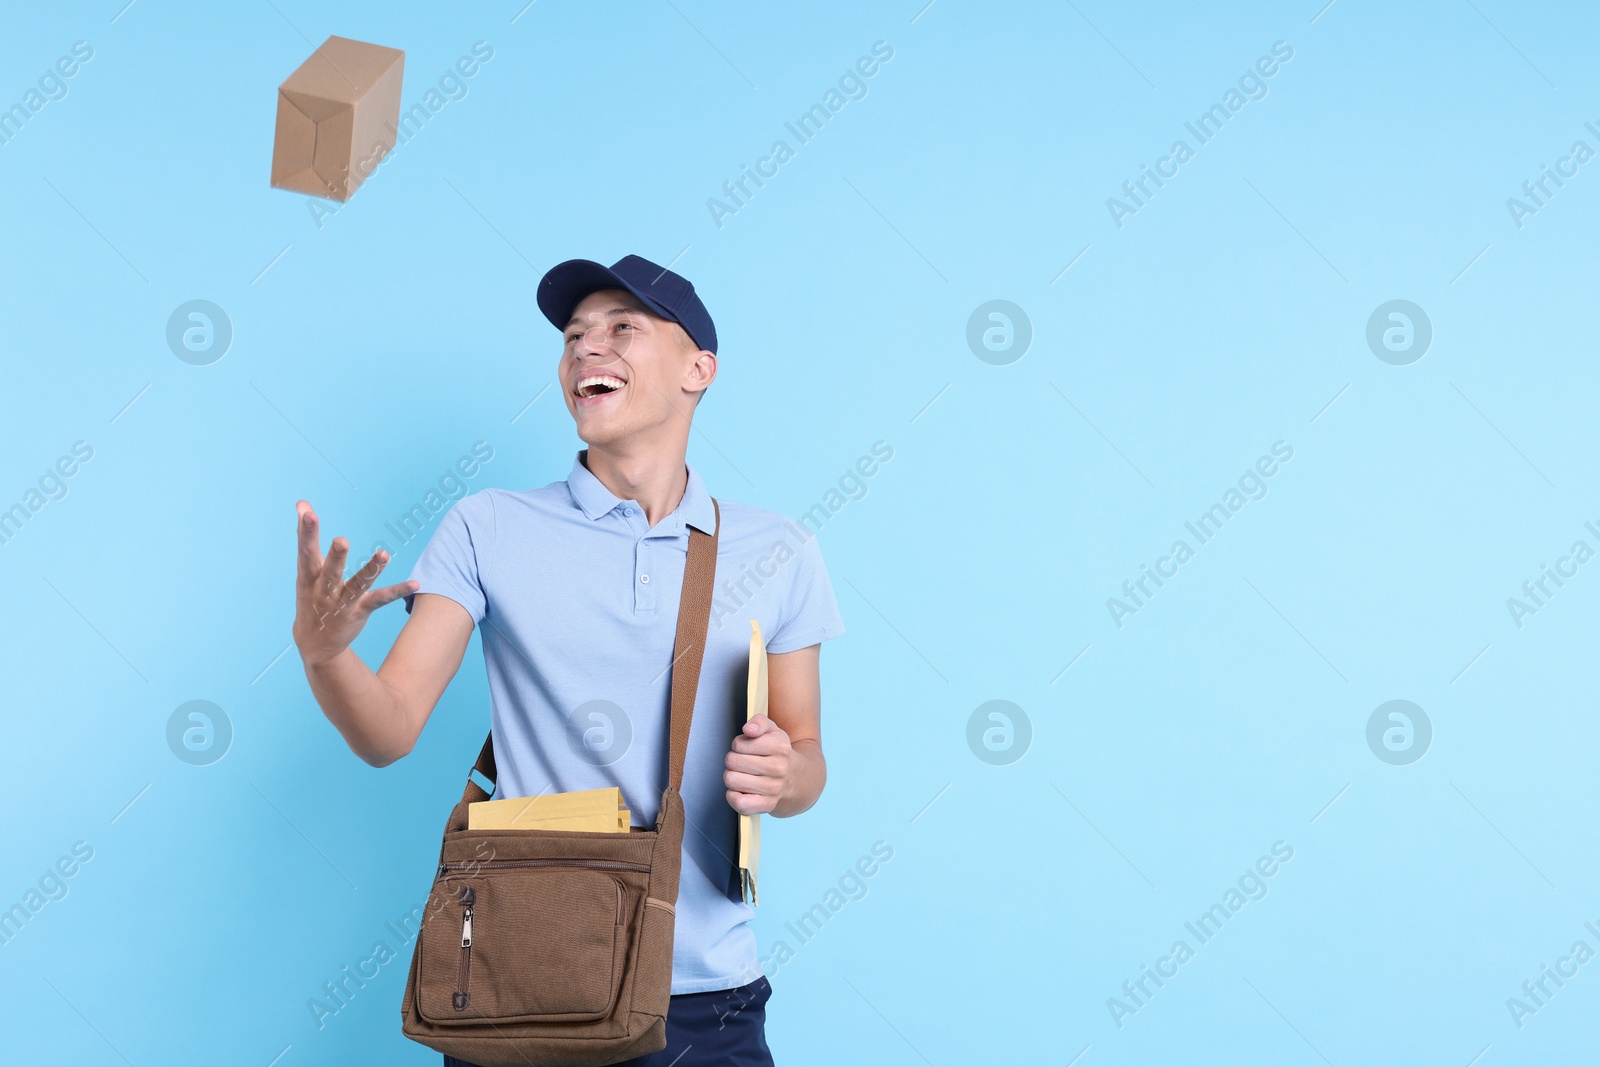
332	573
747	804
759	726
323	577
387	595
753	765
362	579
767	743
763	779
309	556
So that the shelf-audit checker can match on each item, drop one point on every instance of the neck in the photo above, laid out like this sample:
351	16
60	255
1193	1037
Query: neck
656	479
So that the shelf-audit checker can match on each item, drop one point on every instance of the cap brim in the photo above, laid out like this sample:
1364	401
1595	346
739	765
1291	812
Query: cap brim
566	284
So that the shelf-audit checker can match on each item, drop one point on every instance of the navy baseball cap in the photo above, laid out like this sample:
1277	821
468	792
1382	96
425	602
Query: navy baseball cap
667	294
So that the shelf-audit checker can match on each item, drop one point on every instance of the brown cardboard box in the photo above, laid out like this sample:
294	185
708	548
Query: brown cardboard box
336	118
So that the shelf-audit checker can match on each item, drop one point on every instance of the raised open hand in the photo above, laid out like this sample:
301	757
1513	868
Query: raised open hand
330	610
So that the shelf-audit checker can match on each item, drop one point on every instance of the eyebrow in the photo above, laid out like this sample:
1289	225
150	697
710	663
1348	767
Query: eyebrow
612	314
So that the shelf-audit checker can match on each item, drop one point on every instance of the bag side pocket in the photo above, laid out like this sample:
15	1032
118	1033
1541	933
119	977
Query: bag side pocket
653	992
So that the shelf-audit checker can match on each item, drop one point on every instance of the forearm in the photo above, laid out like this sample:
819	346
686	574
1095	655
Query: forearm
362	707
808	773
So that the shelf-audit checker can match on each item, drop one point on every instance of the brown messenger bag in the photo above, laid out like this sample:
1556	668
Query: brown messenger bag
554	947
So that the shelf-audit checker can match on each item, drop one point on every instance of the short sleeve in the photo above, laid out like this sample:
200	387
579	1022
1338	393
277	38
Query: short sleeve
452	562
809	613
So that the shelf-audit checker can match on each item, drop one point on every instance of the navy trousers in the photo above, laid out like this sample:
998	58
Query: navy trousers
722	1028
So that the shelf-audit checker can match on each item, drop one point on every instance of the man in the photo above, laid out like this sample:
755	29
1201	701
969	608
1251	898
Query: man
575	590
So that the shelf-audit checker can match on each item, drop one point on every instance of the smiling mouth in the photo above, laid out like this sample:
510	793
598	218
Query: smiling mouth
592	386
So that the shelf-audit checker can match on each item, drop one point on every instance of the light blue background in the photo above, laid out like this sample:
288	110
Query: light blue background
1226	315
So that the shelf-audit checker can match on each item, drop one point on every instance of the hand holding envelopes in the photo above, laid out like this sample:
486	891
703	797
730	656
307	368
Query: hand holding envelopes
750	825
592	810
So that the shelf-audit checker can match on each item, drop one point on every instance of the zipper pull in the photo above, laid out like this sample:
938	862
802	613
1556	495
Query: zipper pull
466	927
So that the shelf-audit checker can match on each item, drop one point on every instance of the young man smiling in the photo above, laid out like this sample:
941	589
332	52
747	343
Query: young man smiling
575	588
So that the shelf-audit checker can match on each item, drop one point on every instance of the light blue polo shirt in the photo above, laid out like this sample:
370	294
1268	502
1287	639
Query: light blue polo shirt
576	601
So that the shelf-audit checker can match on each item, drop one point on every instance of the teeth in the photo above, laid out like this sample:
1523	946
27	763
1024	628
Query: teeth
611	381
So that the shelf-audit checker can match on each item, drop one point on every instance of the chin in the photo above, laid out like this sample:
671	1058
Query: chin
598	432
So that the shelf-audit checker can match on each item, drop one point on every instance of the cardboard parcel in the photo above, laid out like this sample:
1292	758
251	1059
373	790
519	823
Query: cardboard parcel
337	118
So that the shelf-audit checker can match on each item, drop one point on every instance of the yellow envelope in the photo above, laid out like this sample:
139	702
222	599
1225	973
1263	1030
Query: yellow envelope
592	810
750	825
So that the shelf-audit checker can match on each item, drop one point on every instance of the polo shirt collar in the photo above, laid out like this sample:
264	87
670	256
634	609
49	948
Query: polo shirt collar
594	499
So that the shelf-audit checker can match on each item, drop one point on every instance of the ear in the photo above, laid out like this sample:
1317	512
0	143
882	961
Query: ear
701	372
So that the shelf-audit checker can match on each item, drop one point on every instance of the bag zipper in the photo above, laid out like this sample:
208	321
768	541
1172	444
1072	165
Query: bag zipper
603	865
469	897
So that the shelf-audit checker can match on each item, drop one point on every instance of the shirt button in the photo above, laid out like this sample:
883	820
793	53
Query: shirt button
645	578
627	511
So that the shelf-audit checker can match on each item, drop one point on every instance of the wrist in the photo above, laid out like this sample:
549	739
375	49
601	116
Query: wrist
796	793
326	662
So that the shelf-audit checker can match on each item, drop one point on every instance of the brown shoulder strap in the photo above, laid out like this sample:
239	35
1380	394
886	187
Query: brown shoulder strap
688	651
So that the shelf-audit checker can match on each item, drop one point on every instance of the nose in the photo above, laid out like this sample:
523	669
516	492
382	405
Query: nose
599	349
